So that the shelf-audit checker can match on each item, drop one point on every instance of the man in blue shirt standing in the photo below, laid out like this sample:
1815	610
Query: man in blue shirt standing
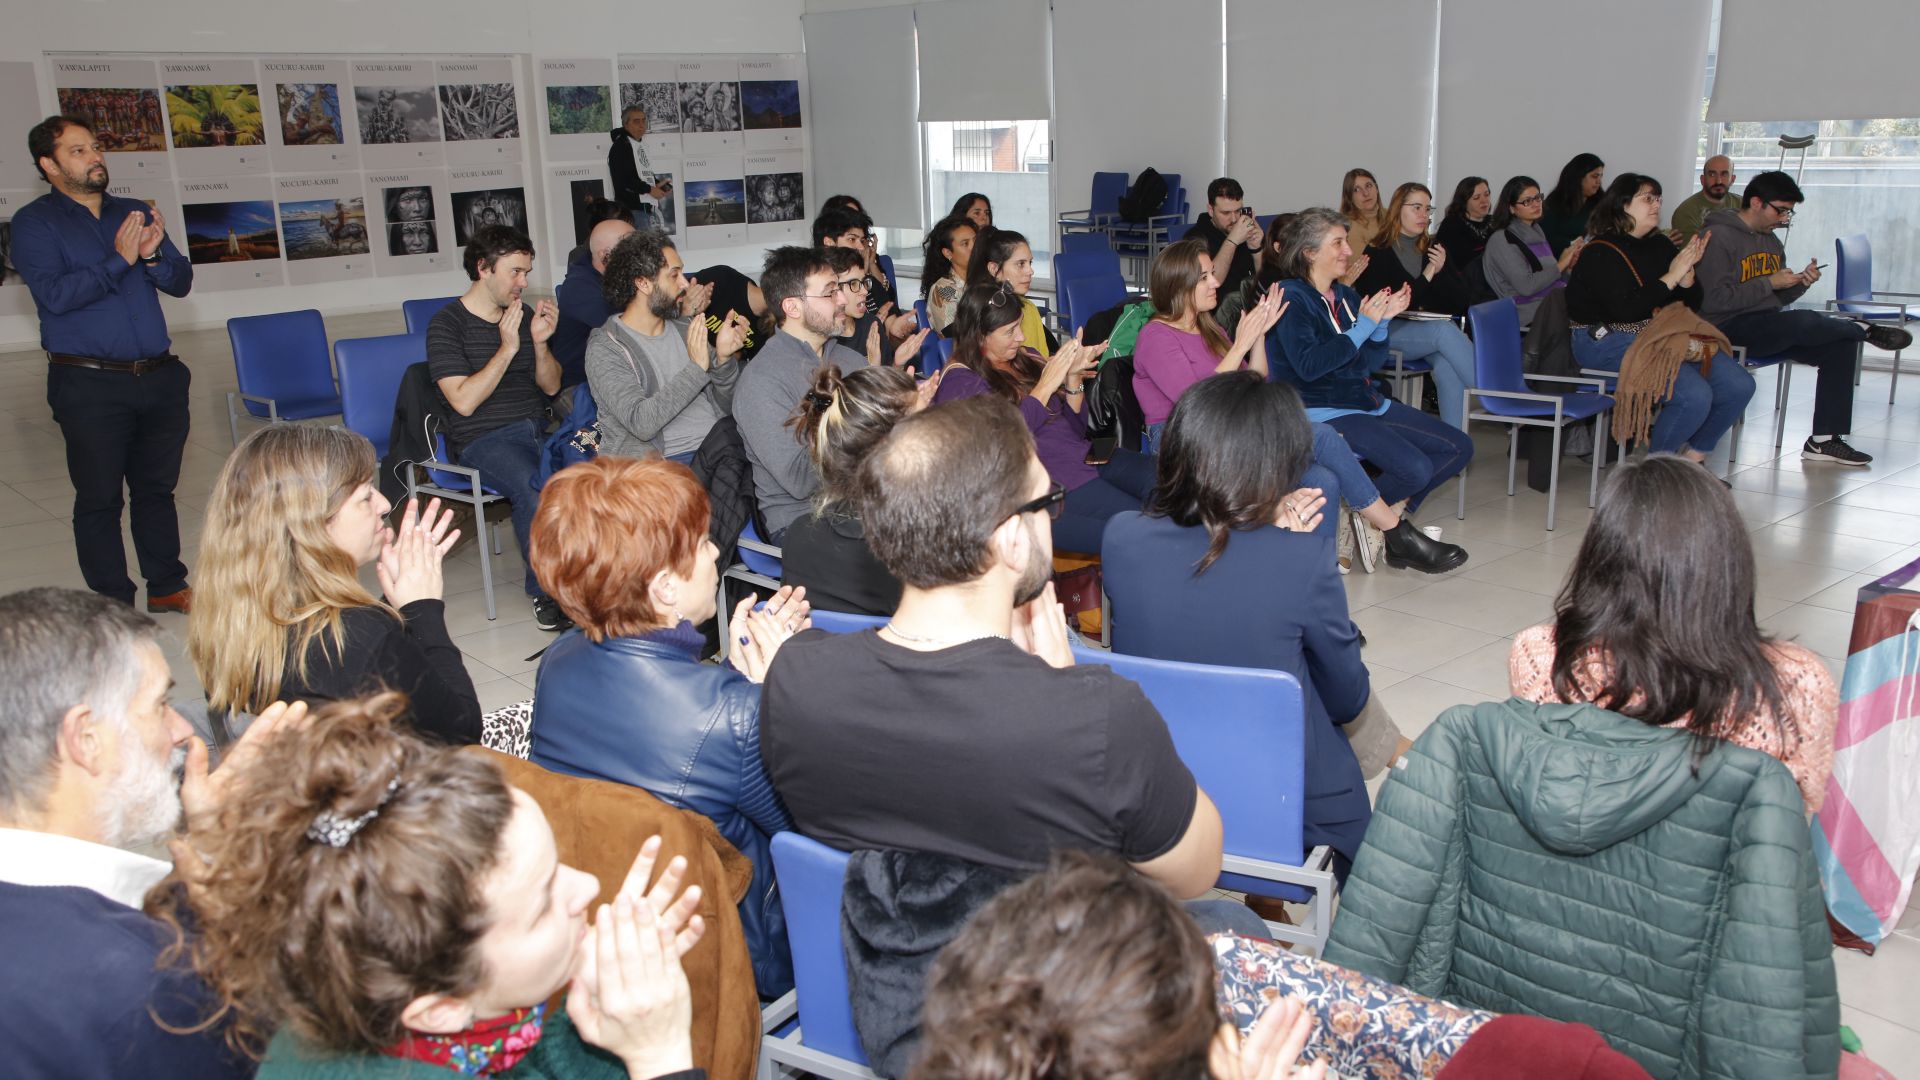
95	264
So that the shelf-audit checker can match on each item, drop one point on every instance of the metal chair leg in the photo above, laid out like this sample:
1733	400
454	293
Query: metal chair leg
1599	452
1780	410
1553	468
1513	455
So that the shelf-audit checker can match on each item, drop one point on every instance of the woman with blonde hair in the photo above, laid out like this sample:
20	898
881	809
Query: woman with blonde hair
1405	259
282	614
840	419
1366	218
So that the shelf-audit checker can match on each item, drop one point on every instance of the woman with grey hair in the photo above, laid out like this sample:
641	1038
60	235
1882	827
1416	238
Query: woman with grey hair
1328	345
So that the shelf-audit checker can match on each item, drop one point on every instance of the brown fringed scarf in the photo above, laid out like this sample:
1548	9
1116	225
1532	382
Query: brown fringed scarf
1672	337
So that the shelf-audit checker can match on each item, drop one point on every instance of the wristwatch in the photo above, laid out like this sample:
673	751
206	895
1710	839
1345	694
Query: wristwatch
151	259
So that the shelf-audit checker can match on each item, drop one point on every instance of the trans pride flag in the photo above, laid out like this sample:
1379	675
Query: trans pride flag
1867	837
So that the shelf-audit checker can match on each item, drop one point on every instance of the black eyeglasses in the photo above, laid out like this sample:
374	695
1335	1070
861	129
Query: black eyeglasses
857	287
1531	200
1784	211
1053	502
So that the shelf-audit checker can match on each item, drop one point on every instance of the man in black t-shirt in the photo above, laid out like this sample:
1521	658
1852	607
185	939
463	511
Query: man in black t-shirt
1233	238
963	727
734	291
488	354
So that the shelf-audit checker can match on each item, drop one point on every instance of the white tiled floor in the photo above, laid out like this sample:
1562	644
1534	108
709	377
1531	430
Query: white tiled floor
1819	532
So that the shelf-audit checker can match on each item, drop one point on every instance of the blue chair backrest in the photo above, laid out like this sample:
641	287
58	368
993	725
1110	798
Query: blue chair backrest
1265	221
840	622
812	876
419	313
1108	187
886	267
281	356
920	313
370	372
1097	262
1498	361
935	353
1242	733
1853	271
764	565
1074	243
1089	296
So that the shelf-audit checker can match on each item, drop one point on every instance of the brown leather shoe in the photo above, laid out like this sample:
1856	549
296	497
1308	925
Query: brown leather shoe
180	602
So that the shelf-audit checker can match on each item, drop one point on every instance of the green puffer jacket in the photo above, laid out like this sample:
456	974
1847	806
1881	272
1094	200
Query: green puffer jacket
1565	861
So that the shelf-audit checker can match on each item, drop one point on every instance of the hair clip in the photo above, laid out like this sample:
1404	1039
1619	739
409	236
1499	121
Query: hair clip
334	831
815	398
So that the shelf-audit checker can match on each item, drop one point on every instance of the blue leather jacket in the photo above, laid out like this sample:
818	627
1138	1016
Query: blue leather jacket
643	711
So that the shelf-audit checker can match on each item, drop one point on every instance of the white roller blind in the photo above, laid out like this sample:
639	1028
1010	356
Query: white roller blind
983	60
1135	83
1836	60
1515	101
1317	89
860	89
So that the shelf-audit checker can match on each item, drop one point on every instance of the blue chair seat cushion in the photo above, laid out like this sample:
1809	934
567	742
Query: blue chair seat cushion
299	408
1574	406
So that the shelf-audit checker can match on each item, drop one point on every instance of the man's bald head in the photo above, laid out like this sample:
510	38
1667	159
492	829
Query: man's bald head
601	241
1716	176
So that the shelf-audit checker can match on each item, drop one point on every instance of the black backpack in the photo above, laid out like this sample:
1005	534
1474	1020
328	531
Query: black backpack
1145	198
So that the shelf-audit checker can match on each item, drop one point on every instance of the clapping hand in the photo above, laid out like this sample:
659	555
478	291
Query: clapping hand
154	232
409	564
1040	628
695	298
758	632
126	239
1436	259
546	319
203	789
928	387
1685	259
697	350
1300	509
732	336
510	318
1399	300
629	995
1258	319
898	326
1271	1051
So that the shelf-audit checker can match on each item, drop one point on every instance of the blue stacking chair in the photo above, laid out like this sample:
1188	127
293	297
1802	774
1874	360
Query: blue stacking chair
756	563
886	267
1500	382
824	1042
1242	733
920	314
1141	241
459	483
370	372
1083	298
1103	207
1080	242
1097	262
1855	295
1404	376
283	369
935	353
418	313
840	622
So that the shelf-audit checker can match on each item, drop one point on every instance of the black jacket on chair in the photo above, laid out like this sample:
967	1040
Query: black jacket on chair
411	439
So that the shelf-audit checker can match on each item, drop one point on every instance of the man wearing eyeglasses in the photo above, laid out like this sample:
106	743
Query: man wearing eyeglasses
849	228
1746	289
809	309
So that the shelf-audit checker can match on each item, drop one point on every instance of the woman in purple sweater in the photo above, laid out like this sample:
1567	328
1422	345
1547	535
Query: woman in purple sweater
990	356
1182	344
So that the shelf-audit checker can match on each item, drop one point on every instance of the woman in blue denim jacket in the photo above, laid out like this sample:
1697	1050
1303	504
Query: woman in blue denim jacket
622	545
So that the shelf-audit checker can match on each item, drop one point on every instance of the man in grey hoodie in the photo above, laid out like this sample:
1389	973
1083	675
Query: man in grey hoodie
1746	288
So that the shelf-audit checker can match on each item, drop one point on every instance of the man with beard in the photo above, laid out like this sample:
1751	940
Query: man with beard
94	763
657	383
963	728
489	355
808	309
1716	180
96	265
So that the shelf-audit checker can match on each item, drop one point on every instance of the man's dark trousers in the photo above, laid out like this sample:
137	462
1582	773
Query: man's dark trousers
124	430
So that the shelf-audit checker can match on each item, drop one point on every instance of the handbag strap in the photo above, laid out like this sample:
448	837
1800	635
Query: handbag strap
1637	280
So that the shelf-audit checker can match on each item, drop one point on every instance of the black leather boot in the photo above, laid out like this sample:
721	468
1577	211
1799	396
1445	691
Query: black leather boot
1408	547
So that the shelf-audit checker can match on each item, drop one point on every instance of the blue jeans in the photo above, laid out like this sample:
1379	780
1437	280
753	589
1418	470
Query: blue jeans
1122	485
1702	408
1447	349
506	457
1414	452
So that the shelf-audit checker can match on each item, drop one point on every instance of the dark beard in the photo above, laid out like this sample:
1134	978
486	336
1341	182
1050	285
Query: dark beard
85	182
662	305
1034	580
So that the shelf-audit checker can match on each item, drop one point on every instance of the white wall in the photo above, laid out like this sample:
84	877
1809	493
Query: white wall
254	27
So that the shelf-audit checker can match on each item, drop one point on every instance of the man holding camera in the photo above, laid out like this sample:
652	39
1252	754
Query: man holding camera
1235	239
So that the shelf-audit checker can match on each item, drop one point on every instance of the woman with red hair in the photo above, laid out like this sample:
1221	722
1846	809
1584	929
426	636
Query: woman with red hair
622	545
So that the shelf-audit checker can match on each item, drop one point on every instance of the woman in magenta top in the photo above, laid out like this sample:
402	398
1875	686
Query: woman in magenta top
1183	344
